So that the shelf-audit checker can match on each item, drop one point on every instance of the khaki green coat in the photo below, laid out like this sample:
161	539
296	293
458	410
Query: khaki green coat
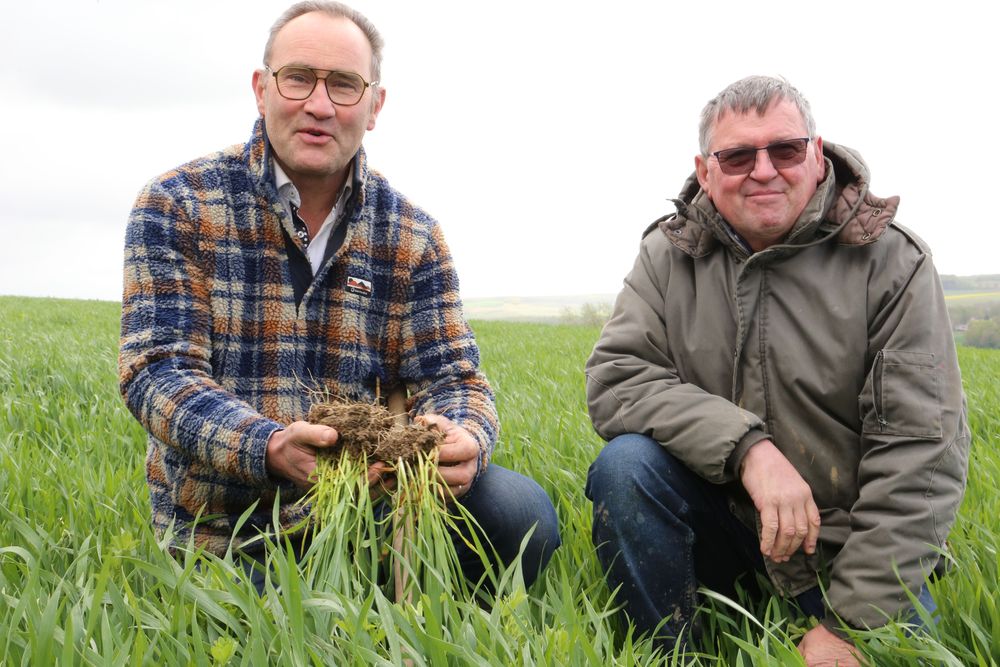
836	344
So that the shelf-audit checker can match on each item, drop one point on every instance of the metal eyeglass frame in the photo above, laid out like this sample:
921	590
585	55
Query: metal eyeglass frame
725	153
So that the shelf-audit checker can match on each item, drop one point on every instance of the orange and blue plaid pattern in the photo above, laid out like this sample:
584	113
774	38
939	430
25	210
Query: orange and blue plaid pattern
215	355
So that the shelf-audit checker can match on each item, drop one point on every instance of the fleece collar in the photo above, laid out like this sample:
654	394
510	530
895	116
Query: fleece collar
258	153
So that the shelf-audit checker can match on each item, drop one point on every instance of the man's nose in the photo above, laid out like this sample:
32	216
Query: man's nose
319	103
763	170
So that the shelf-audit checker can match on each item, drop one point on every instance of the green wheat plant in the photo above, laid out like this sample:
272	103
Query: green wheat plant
85	581
401	538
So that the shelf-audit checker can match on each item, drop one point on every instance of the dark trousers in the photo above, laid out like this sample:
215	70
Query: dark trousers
661	531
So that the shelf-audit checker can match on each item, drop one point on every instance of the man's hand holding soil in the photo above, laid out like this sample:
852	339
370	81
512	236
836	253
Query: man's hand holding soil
291	454
458	457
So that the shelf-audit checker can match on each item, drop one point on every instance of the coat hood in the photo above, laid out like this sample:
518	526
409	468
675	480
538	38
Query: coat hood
842	208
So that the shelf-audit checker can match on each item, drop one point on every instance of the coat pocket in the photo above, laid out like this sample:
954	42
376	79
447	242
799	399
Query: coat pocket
902	396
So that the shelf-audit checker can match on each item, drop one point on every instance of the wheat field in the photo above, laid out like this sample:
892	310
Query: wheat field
83	579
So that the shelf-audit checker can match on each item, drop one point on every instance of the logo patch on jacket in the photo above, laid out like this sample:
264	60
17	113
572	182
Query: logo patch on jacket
359	286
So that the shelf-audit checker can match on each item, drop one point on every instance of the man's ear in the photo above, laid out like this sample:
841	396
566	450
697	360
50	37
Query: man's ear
258	89
378	99
701	169
820	159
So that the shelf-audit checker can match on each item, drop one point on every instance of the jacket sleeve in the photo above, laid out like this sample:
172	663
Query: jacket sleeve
164	364
634	387
439	359
914	448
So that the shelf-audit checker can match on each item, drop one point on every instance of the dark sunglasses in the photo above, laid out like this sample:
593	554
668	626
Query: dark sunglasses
783	154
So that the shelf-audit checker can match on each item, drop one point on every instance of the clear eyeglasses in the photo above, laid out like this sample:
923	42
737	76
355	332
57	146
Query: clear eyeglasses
297	83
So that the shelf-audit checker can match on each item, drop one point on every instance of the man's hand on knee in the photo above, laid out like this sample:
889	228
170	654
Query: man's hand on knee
291	452
788	514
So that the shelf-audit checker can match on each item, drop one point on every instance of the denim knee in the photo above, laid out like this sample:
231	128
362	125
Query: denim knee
622	465
507	506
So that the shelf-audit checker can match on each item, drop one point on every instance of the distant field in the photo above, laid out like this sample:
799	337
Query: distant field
83	580
529	309
972	296
553	309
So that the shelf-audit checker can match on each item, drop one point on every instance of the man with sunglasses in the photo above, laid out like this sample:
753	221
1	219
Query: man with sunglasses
780	389
287	264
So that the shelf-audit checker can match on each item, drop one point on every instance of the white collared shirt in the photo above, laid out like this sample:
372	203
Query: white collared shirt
289	195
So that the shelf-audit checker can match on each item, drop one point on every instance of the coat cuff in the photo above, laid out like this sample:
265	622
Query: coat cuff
735	459
835	625
255	440
482	439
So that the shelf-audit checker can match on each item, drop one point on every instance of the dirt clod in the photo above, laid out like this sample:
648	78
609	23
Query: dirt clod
369	430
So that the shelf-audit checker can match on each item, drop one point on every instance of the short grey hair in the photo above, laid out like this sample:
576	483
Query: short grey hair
752	93
335	9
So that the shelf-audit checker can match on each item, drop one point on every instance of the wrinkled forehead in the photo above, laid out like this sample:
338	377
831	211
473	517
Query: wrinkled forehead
749	112
320	40
780	119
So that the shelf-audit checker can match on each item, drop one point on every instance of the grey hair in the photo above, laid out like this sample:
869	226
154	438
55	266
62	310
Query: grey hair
335	9
752	93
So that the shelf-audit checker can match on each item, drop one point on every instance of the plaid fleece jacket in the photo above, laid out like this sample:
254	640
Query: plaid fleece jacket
215	356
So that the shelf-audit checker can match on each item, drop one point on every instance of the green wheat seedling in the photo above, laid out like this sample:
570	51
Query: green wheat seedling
84	580
400	539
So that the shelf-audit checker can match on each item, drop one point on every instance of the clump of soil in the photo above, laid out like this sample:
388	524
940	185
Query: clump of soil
368	430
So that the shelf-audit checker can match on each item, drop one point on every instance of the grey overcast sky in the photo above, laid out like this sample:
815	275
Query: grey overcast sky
544	136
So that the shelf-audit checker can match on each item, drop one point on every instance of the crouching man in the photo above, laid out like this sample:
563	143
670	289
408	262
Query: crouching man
779	386
285	260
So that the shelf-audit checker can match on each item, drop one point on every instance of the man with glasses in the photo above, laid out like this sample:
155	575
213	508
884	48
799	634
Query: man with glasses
286	264
780	389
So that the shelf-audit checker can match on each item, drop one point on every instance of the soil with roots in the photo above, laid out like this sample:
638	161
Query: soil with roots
368	431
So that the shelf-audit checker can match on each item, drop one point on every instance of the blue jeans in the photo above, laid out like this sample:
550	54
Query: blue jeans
661	530
506	505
